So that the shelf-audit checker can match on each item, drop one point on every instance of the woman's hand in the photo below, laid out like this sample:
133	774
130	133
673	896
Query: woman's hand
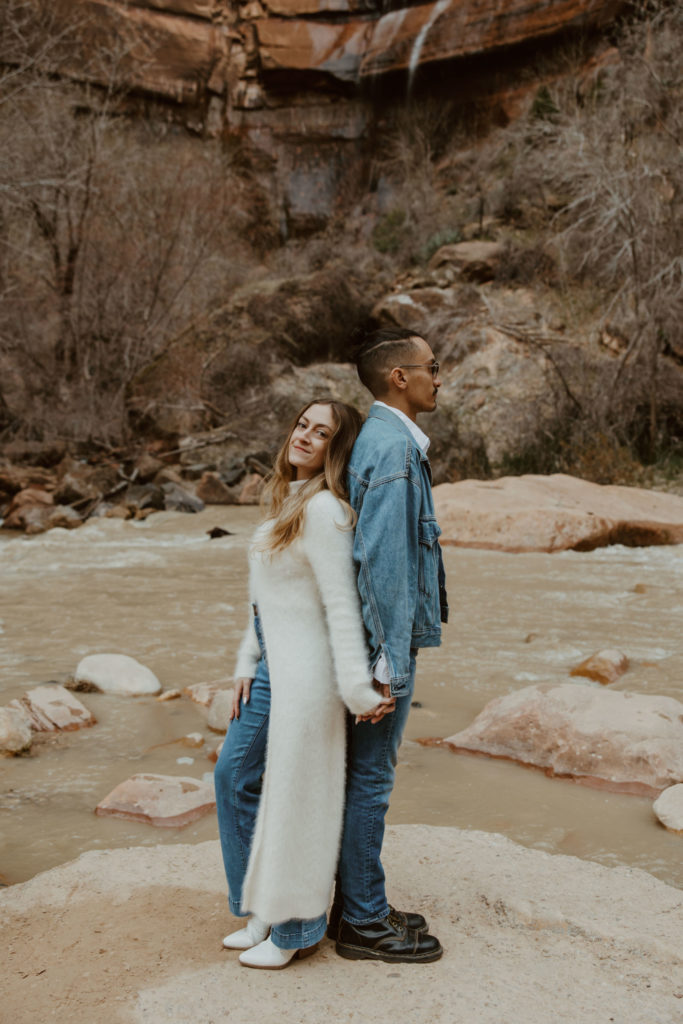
240	695
384	707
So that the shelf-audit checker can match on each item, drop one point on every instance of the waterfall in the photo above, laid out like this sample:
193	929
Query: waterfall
439	7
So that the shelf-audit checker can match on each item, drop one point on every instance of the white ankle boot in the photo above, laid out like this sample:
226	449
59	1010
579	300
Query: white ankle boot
251	935
269	957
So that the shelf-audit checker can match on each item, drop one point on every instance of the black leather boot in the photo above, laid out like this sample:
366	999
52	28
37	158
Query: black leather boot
415	922
389	940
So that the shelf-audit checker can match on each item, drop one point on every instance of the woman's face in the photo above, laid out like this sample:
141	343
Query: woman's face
309	441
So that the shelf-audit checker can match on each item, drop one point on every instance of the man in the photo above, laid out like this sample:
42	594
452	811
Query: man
401	582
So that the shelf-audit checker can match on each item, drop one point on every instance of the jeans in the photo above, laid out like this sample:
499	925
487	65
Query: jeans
371	767
238	777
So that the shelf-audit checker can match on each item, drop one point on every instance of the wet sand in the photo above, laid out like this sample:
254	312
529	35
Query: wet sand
164	593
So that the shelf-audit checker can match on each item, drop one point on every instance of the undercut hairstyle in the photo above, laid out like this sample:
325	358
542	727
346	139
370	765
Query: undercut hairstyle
286	510
379	352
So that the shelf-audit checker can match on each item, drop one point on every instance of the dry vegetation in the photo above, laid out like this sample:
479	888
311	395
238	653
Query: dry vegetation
587	192
114	234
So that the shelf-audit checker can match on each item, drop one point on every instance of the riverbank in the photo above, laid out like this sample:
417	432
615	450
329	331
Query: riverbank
133	936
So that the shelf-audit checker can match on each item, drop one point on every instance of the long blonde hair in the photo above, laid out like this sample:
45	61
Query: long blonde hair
285	508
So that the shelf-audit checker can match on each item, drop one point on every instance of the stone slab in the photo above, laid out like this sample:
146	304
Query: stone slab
166	801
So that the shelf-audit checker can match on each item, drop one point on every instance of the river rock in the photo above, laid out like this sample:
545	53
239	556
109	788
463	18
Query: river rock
169	695
669	808
62	516
204	693
216	753
19	478
251	490
75	486
212	491
220	711
554	513
16	734
147	467
178	499
116	673
54	708
167	801
603	667
627	741
22	503
192	739
142	496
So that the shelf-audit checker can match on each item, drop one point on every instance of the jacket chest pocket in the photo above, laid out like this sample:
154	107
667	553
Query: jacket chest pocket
429	532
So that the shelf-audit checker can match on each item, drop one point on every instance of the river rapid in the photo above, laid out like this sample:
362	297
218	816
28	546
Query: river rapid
163	592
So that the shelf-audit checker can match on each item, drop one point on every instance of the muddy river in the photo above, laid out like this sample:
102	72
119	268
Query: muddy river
163	592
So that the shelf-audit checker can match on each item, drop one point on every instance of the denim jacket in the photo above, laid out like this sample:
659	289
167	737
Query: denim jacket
401	578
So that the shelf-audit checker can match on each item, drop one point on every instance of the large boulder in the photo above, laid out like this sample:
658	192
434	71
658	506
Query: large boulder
554	513
167	801
623	741
115	673
496	393
473	261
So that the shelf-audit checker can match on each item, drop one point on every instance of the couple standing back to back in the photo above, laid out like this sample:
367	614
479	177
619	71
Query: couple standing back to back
333	605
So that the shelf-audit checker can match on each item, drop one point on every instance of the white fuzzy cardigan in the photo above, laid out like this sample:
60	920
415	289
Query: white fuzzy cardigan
317	658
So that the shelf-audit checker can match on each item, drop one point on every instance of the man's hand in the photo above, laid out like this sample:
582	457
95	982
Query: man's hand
240	695
385	706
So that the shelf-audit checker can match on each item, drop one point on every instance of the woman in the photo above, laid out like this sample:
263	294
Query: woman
281	869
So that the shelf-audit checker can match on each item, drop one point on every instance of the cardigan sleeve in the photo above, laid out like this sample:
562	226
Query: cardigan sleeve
249	652
328	545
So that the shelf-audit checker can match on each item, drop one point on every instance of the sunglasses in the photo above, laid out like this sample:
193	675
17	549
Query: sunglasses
433	366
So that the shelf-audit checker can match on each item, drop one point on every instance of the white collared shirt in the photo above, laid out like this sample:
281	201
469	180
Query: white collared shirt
419	435
381	670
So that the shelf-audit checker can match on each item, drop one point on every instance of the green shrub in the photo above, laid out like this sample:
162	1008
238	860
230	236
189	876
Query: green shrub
390	232
449	236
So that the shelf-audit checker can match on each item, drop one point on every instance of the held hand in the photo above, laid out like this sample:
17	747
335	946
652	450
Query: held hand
240	695
384	707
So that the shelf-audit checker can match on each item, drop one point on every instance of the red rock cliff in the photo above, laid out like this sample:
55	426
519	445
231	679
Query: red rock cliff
289	76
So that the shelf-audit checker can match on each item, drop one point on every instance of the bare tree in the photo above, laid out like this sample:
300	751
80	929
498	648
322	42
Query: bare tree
114	233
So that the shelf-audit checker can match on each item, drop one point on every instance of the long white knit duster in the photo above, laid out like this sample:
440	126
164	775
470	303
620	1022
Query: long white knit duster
317	656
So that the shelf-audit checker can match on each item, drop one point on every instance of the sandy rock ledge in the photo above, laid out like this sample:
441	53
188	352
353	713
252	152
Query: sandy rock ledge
135	936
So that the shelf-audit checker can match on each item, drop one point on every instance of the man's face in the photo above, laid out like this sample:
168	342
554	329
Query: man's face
423	385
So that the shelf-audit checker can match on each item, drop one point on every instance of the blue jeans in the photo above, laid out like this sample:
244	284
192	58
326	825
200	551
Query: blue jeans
371	767
238	778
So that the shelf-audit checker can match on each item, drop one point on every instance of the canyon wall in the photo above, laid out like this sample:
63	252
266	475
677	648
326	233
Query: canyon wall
301	83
